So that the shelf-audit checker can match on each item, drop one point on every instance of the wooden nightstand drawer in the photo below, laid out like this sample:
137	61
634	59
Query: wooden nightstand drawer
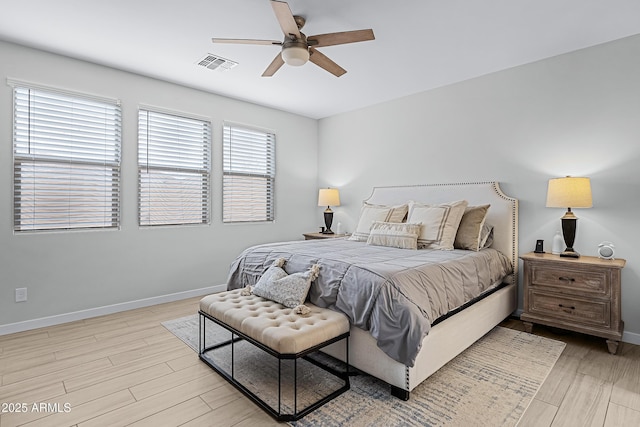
571	280
580	294
575	310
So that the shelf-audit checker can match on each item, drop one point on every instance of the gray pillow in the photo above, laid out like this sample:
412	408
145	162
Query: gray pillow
289	290
486	239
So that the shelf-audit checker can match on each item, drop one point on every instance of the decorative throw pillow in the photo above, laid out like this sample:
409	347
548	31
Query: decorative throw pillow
470	229
371	213
395	235
273	273
486	236
439	223
289	290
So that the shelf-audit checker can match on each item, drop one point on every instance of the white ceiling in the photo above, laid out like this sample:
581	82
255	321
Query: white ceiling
420	44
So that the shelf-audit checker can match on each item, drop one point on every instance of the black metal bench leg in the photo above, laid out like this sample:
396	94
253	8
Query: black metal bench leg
278	415
279	386
295	386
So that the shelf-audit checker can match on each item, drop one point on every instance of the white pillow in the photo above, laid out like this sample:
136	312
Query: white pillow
439	223
289	290
395	235
371	213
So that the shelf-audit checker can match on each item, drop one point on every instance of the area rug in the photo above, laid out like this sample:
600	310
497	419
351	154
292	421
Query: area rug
489	384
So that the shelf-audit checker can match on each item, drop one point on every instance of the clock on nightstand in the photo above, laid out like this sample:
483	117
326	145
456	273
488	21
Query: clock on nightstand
606	250
579	294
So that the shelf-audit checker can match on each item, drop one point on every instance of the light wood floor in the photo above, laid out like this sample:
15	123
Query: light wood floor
127	369
587	386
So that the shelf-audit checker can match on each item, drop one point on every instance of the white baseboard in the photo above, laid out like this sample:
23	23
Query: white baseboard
631	338
108	309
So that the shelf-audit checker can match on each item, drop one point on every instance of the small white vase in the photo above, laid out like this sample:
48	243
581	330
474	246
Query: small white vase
558	242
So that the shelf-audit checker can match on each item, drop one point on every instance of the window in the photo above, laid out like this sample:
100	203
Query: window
249	174
66	160
174	164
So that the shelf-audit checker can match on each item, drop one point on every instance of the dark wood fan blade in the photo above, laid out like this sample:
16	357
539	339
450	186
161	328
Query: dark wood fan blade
285	18
324	62
344	37
274	66
247	41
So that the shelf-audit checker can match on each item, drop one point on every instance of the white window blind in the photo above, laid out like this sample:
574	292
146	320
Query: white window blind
174	167
66	161
248	174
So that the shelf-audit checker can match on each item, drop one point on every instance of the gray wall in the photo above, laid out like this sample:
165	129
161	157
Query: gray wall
68	272
576	114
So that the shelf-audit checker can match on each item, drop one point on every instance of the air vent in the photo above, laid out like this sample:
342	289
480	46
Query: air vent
215	62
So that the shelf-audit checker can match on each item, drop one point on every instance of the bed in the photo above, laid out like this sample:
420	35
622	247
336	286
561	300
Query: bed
399	333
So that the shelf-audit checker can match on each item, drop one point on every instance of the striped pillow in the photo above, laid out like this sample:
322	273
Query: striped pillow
371	213
395	235
439	223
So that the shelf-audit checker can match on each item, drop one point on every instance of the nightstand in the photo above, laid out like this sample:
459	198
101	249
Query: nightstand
316	236
578	294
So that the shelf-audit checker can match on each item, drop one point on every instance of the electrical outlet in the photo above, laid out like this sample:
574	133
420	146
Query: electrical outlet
21	294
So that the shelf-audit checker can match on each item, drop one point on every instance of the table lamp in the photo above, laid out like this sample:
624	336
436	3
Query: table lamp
328	197
569	192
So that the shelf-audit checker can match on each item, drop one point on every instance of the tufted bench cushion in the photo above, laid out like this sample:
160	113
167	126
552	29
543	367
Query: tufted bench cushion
280	332
272	324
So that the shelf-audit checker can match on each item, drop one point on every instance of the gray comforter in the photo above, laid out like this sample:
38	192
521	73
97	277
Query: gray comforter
395	294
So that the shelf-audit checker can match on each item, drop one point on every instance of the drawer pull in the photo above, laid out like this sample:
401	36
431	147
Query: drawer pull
567	306
566	279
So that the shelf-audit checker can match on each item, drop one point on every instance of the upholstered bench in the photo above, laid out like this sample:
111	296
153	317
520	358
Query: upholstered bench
279	331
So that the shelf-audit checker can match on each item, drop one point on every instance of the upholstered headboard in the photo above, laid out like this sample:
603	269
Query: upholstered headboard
503	213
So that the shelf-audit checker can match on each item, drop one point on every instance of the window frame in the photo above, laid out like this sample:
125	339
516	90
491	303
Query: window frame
36	141
172	171
269	173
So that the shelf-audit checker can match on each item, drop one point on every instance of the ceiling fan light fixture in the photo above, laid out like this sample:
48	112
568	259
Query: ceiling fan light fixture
297	50
295	55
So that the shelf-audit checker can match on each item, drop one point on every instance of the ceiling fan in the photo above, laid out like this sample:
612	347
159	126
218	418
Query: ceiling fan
297	48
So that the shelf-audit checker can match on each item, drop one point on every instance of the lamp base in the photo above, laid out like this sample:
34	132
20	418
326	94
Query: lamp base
570	254
328	220
569	222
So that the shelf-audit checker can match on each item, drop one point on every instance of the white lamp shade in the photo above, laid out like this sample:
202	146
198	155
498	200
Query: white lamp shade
328	197
295	55
569	192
